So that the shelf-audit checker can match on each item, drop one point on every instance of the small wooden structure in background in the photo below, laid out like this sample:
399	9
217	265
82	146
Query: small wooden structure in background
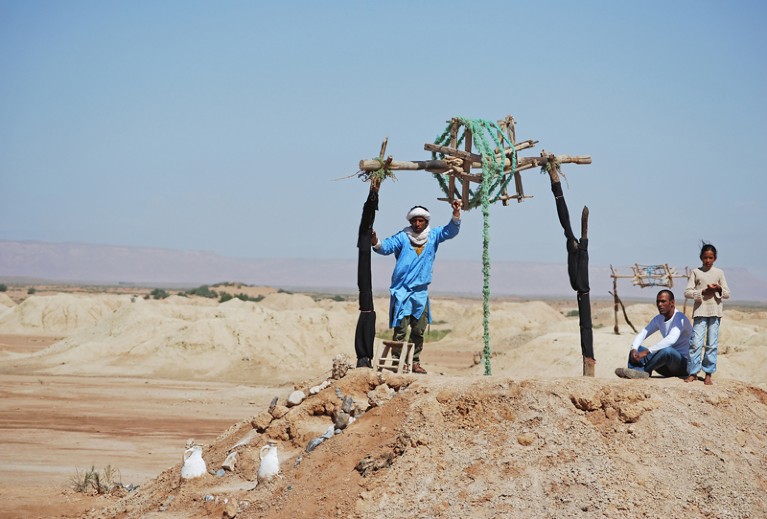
644	276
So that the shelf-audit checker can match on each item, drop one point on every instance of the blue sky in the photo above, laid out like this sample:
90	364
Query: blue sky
233	126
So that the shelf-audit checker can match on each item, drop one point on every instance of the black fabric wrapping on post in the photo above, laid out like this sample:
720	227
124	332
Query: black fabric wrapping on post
366	324
578	271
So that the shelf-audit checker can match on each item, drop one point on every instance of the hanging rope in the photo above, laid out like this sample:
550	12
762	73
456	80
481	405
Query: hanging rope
493	185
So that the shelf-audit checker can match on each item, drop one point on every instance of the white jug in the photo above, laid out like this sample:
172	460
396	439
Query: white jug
194	465
270	464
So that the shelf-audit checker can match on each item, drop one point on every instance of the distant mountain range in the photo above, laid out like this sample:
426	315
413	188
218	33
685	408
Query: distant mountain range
106	264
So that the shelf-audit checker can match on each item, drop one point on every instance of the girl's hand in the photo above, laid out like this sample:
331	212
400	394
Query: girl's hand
711	289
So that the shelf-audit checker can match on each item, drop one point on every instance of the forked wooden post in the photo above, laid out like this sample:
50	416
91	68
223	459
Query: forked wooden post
617	301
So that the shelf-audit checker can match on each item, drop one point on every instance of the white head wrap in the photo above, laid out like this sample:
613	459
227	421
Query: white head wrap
418	211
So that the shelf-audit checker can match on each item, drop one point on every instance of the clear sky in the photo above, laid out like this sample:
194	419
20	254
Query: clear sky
232	126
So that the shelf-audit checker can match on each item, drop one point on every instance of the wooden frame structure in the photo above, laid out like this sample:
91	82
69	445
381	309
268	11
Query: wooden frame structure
461	165
504	164
644	276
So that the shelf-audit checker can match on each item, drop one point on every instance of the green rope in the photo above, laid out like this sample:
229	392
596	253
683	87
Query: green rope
493	185
498	181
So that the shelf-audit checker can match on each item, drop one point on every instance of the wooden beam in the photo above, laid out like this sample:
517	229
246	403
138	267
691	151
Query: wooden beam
436	166
441	166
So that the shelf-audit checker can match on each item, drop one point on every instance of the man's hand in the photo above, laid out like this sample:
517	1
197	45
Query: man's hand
373	238
456	208
636	356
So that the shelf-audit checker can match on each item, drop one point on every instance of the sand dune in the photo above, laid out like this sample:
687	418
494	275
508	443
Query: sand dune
285	337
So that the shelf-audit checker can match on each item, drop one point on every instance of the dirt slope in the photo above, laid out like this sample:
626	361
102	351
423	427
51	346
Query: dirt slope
481	447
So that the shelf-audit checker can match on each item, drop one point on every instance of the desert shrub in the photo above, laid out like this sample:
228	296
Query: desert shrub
572	313
435	335
93	481
202	291
226	296
31	290
158	293
246	297
3	288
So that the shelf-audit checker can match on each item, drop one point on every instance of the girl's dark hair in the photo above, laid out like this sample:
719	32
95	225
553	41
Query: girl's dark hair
705	247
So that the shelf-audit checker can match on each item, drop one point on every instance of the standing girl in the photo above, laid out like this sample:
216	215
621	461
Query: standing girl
707	287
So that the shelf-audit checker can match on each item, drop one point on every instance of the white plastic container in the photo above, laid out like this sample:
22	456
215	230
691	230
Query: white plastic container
194	465
270	463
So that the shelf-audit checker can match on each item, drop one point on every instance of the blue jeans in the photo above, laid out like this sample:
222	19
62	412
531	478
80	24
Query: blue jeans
667	362
704	328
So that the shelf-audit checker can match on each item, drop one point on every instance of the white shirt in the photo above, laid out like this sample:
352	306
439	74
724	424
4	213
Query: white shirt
676	333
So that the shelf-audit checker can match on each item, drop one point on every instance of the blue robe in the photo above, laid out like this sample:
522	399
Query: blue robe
412	273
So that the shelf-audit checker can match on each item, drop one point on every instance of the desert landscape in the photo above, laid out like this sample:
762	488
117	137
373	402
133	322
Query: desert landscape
115	380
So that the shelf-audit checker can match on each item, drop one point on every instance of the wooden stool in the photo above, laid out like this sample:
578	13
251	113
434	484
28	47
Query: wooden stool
384	359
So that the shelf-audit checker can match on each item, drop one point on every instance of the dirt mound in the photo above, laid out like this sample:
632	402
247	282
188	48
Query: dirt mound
59	314
488	447
284	339
6	301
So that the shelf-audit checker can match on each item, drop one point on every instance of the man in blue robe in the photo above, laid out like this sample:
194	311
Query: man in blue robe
415	248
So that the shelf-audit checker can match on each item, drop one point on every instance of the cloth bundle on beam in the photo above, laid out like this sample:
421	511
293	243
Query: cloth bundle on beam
577	270
366	323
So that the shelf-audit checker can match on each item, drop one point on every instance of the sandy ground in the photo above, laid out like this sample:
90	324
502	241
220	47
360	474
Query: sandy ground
55	425
117	380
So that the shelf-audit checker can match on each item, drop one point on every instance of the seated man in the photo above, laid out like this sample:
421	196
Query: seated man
670	355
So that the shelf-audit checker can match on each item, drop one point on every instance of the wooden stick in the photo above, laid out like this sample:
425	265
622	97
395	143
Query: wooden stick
614	293
453	143
525	145
477	159
517	146
453	152
518	198
467	165
504	191
625	315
